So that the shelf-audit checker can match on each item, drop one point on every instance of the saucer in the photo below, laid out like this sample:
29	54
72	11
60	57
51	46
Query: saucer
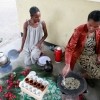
42	60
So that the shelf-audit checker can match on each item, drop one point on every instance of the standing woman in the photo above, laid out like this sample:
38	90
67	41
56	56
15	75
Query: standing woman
35	32
84	46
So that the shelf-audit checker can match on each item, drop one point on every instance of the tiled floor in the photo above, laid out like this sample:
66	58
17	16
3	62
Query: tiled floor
93	93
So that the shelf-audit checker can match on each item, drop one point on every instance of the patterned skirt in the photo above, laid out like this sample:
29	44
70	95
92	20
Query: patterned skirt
89	64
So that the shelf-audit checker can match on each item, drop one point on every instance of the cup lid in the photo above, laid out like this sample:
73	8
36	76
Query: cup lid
58	48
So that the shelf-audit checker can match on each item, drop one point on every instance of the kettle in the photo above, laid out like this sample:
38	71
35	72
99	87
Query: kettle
48	66
3	59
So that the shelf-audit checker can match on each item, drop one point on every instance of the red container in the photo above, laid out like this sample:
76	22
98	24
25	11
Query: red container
58	54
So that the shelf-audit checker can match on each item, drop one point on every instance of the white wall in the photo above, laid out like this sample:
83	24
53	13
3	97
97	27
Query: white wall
61	16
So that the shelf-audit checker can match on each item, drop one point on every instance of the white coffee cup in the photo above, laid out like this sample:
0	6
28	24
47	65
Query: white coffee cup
34	90
32	73
40	80
26	85
38	92
35	78
45	83
21	84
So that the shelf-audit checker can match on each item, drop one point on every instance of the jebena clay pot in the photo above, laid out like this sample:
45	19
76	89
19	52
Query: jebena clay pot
48	66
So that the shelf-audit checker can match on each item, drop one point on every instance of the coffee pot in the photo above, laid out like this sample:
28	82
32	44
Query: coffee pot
48	67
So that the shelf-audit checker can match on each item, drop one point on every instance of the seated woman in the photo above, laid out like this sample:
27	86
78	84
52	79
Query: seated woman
84	47
35	32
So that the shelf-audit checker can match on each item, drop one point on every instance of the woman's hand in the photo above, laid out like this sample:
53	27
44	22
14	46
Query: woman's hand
20	50
38	45
66	70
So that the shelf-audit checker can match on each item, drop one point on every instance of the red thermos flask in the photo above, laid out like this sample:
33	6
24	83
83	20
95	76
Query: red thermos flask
58	54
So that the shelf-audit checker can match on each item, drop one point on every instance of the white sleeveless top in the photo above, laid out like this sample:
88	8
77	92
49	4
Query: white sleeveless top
33	36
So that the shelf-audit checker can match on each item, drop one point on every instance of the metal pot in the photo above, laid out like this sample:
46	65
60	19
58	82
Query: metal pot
3	59
73	92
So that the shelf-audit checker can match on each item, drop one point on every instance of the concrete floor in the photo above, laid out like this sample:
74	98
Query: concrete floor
93	93
9	26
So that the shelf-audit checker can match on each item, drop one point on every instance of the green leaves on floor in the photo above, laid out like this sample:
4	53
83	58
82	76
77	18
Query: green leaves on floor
53	92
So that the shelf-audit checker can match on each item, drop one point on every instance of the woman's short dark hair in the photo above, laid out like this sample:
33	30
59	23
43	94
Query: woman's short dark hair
33	10
94	15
